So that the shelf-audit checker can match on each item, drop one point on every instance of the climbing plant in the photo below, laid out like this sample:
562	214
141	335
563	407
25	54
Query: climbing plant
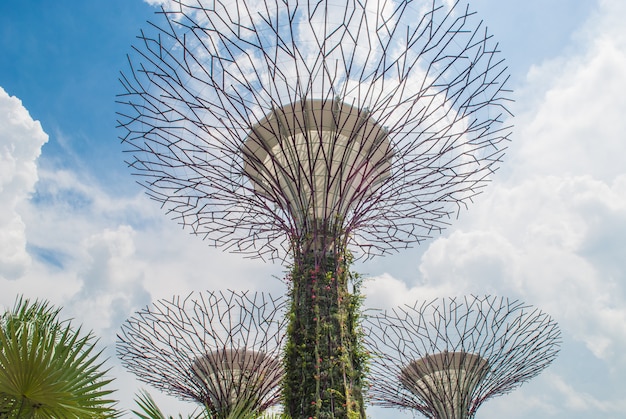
325	363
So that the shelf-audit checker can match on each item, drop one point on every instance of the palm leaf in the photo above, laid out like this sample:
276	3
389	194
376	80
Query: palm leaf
49	369
150	410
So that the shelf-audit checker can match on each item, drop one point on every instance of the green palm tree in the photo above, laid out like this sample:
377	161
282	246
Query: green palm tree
48	369
150	410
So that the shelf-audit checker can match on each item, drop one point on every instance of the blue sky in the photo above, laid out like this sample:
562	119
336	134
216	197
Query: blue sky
77	230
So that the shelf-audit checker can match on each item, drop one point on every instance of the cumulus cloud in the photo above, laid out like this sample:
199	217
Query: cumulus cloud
112	280
585	402
550	230
548	241
64	238
104	256
572	106
121	252
554	242
21	139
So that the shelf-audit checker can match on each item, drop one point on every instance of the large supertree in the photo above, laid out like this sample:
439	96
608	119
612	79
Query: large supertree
444	358
219	350
309	131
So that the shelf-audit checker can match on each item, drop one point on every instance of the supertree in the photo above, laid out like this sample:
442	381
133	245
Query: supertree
310	131
220	350
444	358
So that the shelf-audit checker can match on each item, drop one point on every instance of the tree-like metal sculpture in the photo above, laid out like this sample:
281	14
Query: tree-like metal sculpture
444	358
221	350
308	130
258	123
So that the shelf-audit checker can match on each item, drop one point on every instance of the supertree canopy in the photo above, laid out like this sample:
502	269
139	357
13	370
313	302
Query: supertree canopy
445	358
220	350
257	123
312	131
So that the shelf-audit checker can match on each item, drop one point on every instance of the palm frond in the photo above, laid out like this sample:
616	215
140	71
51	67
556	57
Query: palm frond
150	410
48	368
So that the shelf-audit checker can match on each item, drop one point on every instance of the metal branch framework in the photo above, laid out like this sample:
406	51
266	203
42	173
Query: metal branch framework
444	358
259	123
221	350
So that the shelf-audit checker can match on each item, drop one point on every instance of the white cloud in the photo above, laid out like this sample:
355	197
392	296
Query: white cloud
552	242
385	291
120	253
103	256
112	280
98	255
550	230
21	139
572	107
581	401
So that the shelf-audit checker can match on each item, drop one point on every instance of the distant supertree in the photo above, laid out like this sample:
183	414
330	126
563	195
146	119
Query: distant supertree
308	130
221	350
445	358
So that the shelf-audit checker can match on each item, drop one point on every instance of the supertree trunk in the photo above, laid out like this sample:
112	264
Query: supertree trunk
324	361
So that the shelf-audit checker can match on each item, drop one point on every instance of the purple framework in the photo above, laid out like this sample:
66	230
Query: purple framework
221	350
205	75
499	343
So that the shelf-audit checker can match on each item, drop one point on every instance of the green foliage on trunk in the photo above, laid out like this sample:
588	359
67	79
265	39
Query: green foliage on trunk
324	360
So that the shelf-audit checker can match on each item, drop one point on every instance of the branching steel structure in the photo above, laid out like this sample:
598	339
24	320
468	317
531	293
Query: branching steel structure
259	123
311	131
444	358
221	350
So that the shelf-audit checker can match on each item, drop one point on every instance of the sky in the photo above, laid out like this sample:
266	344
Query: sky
550	230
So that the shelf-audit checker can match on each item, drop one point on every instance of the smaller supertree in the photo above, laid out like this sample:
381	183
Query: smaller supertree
221	350
445	358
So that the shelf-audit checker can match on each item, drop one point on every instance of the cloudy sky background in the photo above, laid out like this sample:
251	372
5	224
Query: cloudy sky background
75	228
